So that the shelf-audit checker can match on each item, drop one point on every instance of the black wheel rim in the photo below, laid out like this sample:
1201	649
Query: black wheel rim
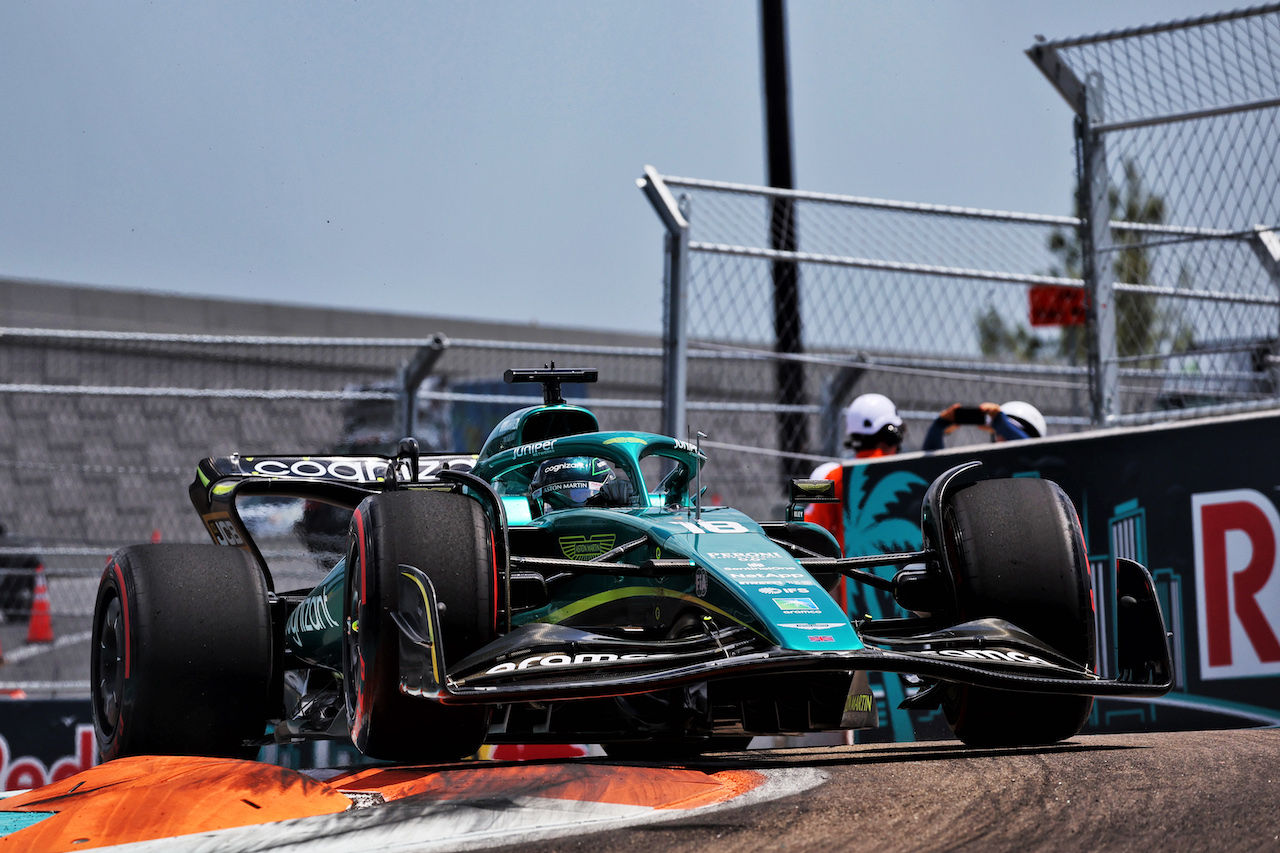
109	657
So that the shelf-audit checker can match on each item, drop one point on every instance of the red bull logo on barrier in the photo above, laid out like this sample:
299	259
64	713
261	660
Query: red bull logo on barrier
1237	585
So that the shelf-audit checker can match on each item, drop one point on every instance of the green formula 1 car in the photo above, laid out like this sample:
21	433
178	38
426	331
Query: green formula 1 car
566	585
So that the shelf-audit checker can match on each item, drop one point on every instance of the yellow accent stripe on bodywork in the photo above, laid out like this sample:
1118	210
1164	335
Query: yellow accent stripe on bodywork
435	663
585	604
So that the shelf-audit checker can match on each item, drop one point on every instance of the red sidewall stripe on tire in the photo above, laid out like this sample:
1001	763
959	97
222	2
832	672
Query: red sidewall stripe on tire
357	725
359	516
124	610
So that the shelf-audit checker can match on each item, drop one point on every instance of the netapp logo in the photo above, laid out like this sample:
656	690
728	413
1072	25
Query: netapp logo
757	578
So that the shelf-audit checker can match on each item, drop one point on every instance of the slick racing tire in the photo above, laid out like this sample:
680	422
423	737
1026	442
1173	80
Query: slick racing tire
181	654
1018	552
447	536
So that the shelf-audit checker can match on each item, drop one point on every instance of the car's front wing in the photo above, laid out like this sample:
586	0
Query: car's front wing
544	662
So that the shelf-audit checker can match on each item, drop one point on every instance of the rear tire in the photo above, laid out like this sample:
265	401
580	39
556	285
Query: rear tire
1018	551
181	652
448	537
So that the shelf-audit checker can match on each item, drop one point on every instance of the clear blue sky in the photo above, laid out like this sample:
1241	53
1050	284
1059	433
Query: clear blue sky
479	159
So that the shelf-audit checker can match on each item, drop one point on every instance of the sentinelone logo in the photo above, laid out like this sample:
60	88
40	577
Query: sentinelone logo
1237	583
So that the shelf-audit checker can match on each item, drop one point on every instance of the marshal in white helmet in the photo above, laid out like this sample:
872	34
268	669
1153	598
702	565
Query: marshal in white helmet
1027	417
872	426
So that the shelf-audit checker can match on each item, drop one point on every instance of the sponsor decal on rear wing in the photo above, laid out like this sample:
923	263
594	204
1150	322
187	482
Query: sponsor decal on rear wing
342	469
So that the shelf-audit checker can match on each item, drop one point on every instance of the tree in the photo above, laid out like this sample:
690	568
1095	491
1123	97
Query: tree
1142	328
997	339
1137	314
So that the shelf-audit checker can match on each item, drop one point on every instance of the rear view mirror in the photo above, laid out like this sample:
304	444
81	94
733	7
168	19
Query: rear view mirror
805	492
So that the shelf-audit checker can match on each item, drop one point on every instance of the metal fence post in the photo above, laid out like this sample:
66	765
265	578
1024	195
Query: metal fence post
412	375
793	427
675	335
1099	274
834	392
1093	200
1266	245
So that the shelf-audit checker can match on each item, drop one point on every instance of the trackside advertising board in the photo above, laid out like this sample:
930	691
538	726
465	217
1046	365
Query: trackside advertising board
44	741
1194	502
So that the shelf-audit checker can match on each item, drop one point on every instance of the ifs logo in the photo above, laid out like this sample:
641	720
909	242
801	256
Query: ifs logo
1237	583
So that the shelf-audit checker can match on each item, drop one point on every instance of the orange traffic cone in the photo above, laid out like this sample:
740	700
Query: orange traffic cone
41	628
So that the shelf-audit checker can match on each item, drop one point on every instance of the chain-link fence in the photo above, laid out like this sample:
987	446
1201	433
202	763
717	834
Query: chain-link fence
924	303
100	433
1178	126
1172	309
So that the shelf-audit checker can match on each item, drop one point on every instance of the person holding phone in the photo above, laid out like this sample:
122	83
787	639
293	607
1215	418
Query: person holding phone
872	428
1010	421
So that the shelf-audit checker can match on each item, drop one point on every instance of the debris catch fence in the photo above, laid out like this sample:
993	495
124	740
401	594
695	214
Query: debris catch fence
1158	298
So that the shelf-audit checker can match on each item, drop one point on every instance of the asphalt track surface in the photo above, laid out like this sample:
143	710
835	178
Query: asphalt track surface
1201	791
1194	791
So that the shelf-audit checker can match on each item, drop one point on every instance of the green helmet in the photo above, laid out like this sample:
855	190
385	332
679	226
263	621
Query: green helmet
569	481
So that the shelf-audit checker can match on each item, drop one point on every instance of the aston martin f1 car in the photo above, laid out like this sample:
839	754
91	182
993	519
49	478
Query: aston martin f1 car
567	585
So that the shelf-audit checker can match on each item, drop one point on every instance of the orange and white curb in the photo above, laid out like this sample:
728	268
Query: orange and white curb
198	804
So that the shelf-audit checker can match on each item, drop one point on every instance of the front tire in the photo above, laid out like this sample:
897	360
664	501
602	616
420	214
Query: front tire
448	537
181	652
1018	552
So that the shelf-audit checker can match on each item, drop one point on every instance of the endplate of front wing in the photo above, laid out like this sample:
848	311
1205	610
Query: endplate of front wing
554	662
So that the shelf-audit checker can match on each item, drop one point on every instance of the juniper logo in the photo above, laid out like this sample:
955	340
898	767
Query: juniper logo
536	447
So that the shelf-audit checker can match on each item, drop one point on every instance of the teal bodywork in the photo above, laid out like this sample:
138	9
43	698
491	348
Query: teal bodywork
634	616
743	576
314	629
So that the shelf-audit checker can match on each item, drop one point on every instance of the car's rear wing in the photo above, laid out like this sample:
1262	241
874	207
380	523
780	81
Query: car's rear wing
342	480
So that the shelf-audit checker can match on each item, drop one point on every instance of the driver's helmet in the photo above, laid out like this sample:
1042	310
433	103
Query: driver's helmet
569	481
